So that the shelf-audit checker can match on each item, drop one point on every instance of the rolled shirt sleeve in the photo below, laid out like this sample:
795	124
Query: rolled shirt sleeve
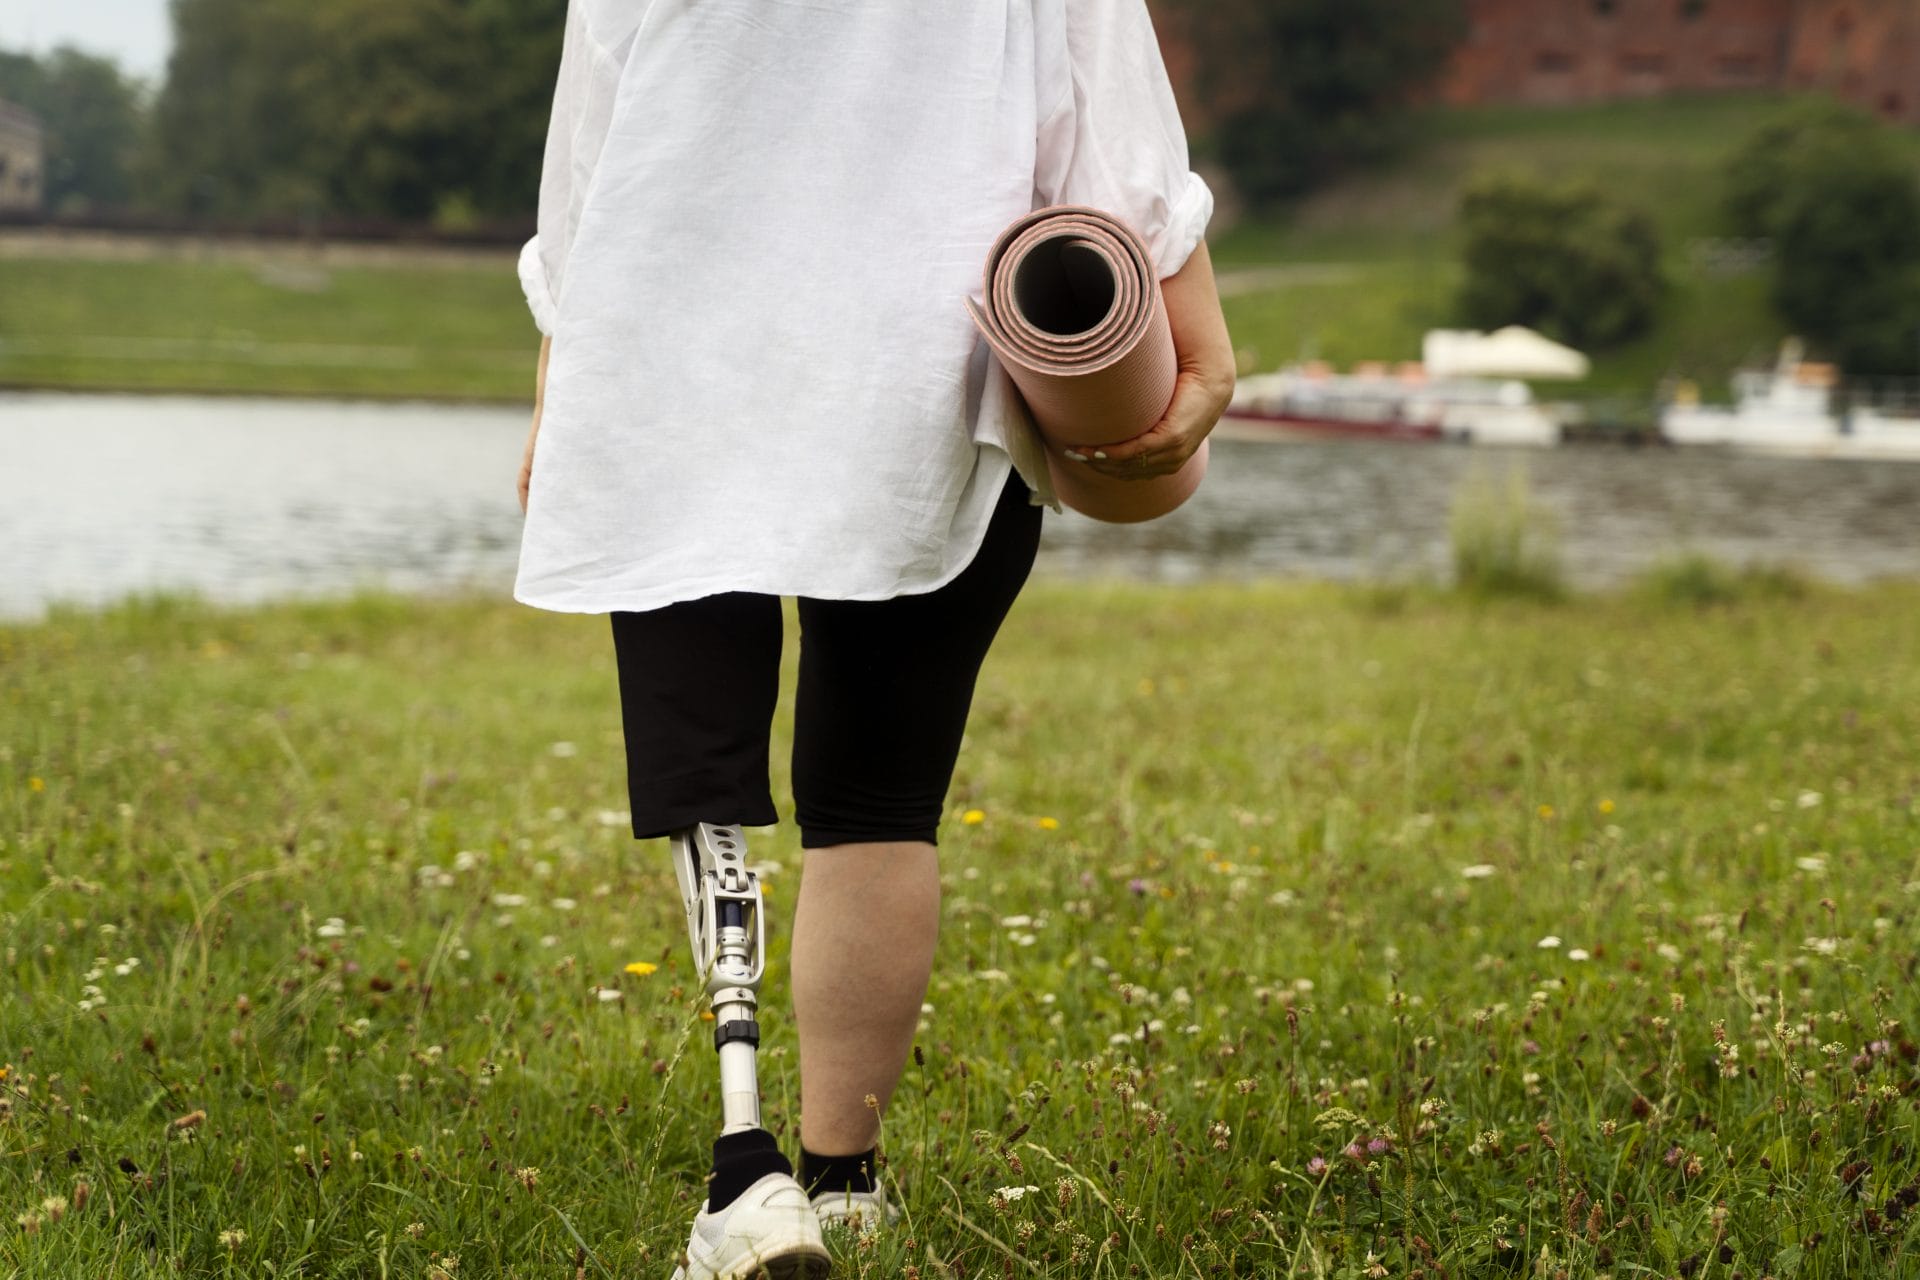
1112	138
543	258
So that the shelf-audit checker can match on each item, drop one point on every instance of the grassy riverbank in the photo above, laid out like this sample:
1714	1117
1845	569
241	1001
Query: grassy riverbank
1285	926
1360	270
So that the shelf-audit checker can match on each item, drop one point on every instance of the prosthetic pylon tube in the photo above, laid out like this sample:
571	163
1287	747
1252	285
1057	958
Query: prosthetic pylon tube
727	929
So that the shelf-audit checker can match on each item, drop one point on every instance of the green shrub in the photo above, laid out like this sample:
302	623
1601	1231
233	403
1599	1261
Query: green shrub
1567	260
1503	544
1701	580
1841	204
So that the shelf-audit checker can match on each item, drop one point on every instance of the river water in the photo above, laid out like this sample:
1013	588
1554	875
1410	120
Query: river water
247	499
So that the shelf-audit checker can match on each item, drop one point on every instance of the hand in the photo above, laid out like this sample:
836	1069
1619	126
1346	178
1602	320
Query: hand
539	404
1200	392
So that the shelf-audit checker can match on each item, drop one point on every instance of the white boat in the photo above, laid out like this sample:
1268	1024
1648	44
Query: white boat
1791	410
1467	389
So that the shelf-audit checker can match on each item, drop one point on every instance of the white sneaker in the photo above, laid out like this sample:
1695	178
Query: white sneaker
855	1210
769	1231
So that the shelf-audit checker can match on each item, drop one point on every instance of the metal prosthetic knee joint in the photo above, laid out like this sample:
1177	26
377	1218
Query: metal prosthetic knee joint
727	929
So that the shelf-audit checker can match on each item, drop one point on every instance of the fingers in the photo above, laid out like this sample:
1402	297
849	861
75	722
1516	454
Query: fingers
1163	448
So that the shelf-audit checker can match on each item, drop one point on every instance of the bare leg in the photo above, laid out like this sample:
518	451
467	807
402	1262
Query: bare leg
864	930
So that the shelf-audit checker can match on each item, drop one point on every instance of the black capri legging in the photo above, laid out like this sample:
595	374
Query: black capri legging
884	690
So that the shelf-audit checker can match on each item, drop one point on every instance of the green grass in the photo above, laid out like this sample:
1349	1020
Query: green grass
455	332
1310	845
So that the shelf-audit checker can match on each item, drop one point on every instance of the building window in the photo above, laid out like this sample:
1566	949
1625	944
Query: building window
1892	104
1605	8
1553	62
1691	9
1739	66
1643	64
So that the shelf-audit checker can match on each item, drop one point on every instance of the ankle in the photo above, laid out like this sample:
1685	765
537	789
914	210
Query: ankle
820	1173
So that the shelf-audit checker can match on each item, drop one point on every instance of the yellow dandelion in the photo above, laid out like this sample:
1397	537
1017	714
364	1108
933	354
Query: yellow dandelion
36	784
1606	806
766	889
1546	812
974	817
706	1015
641	968
1049	824
1146	686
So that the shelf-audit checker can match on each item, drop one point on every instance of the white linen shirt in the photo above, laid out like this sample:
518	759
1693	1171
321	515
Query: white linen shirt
758	221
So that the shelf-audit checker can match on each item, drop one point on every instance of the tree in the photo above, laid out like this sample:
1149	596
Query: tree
1567	260
391	108
91	116
1841	204
1293	91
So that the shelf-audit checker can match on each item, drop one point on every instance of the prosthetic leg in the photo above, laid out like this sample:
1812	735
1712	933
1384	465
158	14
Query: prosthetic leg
727	928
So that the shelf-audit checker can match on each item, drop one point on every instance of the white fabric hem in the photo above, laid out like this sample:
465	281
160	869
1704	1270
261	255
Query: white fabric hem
533	282
992	468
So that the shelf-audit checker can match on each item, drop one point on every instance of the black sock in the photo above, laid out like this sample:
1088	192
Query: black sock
739	1161
836	1173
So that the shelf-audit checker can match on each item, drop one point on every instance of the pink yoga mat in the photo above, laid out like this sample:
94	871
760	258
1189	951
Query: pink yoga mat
1073	310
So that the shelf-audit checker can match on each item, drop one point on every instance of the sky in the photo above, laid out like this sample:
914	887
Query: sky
134	33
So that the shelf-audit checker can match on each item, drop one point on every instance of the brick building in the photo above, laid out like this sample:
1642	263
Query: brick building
22	158
1559	51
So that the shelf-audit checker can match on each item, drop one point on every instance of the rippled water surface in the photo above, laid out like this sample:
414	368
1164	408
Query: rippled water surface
247	499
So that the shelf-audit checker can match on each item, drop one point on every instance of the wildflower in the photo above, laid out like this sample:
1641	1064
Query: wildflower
1549	942
1605	806
55	1207
509	899
1813	863
564	904
1354	1151
232	1238
1316	1166
1049	824
1478	871
974	817
641	968
334	927
36	784
1579	953
1137	887
563	750
1808	800
529	1176
1015	922
608	995
127	966
191	1120
1546	812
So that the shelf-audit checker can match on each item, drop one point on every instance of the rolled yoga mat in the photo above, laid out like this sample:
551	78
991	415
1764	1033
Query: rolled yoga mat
1074	312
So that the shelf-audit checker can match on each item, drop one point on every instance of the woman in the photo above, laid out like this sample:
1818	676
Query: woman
758	224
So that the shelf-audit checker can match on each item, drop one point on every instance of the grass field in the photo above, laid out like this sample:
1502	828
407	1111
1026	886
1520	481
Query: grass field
1378	249
1289	929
